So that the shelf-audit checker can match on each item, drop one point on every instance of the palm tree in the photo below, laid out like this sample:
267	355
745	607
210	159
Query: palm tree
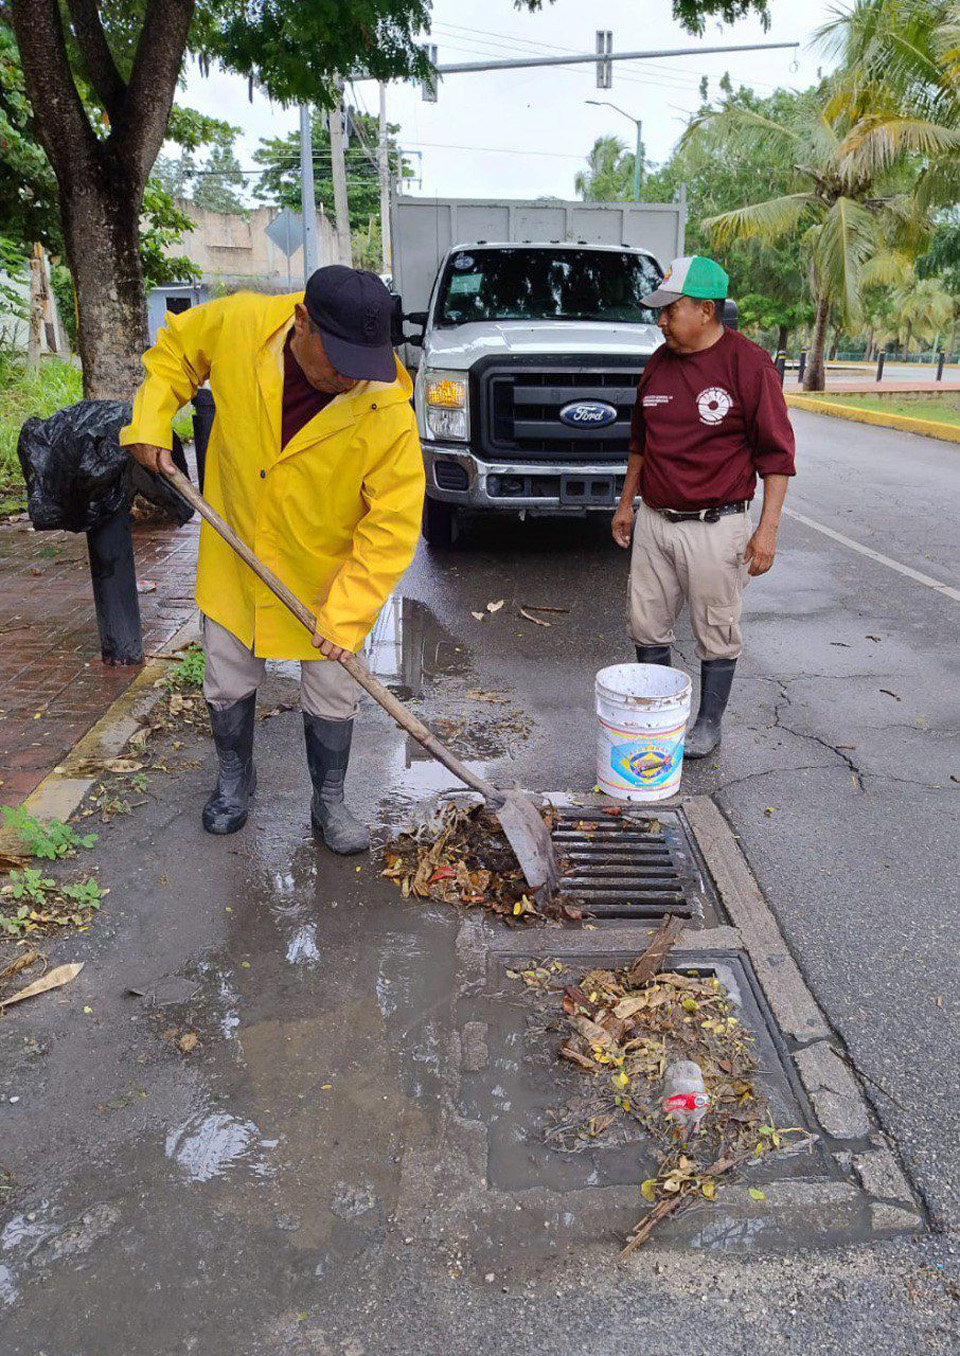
609	173
844	211
901	65
923	307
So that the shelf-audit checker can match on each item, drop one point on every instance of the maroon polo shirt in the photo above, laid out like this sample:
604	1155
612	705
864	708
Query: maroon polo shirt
301	401
707	424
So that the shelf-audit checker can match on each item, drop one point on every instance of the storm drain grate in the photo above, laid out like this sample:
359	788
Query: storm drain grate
638	864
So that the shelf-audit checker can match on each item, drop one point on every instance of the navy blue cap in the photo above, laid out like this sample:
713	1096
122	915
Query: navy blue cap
351	308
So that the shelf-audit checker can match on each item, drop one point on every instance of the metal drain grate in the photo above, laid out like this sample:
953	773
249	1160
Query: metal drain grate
639	864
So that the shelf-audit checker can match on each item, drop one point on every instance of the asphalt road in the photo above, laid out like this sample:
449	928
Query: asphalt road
299	1179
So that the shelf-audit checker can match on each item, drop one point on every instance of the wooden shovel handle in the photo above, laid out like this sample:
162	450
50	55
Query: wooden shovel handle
351	662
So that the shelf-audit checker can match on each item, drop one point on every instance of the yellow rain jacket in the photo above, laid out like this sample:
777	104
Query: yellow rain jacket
336	514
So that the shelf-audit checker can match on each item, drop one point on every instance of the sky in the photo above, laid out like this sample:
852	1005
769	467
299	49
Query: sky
525	133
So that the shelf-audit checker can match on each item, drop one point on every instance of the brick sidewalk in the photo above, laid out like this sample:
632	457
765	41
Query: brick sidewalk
53	684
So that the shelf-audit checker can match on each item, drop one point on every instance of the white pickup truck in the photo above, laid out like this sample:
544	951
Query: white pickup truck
531	346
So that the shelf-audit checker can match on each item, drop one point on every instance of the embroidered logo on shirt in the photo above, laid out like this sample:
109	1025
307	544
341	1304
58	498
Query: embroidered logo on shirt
650	400
713	404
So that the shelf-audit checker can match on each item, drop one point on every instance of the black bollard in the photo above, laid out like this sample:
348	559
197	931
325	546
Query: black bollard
881	356
941	359
802	365
204	411
781	365
114	577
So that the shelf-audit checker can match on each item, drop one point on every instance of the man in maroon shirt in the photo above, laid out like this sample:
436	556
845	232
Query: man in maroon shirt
709	418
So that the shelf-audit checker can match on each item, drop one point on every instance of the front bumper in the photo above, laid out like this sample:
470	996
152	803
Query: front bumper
502	486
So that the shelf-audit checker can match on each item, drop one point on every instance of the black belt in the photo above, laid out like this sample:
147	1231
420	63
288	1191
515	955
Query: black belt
707	515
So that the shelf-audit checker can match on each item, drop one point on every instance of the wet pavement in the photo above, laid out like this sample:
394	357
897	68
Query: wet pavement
342	1160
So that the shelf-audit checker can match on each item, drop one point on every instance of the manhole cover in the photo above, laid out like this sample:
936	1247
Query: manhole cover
639	863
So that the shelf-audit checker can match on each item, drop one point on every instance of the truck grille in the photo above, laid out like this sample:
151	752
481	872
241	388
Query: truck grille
519	402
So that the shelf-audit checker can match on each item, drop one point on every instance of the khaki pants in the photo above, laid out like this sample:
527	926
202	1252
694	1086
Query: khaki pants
701	563
232	672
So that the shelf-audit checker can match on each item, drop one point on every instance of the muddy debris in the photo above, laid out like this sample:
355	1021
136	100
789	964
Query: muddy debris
624	1033
461	856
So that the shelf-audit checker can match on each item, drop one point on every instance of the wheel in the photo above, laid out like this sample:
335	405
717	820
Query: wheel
439	523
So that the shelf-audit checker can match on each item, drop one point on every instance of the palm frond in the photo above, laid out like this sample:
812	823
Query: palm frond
878	140
763	221
743	128
888	268
847	240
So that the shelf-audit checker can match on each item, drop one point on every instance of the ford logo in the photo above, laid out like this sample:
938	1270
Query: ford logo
588	414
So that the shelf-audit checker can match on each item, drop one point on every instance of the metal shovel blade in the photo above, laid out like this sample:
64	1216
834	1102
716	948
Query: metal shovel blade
530	839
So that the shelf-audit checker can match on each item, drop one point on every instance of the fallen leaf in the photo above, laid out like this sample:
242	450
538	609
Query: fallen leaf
479	615
648	1189
495	607
537	621
188	1041
21	963
279	709
53	979
756	1194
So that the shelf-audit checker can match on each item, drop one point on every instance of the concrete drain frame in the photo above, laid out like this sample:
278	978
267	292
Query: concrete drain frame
850	1187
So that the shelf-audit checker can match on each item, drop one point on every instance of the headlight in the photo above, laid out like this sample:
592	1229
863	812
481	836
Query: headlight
446	405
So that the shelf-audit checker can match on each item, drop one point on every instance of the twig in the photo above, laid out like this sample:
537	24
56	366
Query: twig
668	1205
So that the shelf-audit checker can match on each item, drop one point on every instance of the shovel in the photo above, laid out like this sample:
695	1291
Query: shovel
519	817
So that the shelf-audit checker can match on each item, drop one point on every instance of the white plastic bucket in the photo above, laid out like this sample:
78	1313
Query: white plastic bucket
642	710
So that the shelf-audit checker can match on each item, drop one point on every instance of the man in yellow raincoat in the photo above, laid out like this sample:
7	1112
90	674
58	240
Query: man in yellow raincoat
314	461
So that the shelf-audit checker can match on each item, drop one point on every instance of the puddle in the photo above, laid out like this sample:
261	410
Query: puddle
205	1146
408	647
414	776
302	948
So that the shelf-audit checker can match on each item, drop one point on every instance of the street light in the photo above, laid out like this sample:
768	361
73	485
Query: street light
605	103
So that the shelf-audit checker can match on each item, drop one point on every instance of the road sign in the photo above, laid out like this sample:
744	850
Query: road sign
286	232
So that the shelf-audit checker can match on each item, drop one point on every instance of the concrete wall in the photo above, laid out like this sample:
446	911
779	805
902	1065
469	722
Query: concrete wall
237	250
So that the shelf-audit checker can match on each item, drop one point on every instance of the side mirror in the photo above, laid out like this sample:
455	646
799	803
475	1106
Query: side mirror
731	314
418	318
396	321
415	339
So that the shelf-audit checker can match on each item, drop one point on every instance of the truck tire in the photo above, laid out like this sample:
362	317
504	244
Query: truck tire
439	524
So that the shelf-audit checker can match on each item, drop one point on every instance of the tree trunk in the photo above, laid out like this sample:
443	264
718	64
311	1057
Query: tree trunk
906	340
813	378
102	231
783	334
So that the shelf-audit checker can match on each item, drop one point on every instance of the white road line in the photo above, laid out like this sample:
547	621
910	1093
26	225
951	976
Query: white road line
875	555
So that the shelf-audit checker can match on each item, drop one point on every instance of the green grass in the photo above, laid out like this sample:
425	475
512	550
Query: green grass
943	409
50	386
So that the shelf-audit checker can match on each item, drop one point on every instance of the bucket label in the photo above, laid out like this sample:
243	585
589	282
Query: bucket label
648	762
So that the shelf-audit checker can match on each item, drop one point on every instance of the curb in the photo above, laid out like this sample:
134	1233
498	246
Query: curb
905	423
62	789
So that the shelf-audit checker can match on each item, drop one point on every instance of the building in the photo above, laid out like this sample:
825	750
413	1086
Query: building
234	253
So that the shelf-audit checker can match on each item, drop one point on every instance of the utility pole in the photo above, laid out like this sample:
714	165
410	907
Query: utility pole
308	201
383	155
338	170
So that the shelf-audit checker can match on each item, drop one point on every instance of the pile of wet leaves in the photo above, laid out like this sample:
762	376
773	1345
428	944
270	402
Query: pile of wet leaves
460	855
623	1029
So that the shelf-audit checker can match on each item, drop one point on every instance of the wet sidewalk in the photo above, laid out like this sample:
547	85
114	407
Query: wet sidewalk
53	684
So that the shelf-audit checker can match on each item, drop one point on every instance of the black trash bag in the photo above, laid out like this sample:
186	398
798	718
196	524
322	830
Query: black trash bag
78	475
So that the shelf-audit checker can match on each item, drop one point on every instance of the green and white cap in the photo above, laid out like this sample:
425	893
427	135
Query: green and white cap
691	276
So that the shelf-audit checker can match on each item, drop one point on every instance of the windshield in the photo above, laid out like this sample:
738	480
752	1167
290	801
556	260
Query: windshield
545	284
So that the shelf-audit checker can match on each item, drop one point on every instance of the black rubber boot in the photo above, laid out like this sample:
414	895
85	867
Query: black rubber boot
226	810
716	679
655	654
328	753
